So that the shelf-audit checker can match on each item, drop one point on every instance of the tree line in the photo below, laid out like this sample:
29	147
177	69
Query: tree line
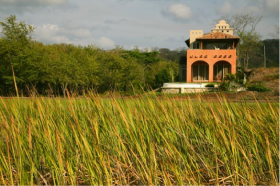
271	47
26	64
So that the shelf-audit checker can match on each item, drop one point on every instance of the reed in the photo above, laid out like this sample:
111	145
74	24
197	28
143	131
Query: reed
146	140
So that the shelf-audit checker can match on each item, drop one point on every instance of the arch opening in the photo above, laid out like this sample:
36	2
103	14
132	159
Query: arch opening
200	71
221	69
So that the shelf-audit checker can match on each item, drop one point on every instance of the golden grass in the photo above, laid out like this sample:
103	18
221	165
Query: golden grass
144	141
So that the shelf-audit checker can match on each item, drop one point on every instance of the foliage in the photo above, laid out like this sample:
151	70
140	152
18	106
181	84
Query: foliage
249	46
231	77
224	86
14	51
162	77
271	52
172	55
271	47
142	141
273	76
145	58
257	86
53	69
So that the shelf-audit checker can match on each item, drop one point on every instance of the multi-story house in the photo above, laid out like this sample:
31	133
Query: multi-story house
211	56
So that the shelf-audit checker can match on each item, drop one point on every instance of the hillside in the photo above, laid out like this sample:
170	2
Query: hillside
269	77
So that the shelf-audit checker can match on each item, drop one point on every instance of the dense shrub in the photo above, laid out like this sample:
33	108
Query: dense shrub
273	76
258	88
224	86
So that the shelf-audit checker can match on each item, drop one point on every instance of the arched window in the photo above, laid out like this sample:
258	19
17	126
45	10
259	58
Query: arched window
200	71
221	69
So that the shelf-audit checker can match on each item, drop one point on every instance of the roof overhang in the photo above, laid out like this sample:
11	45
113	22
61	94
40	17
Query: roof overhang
188	42
236	40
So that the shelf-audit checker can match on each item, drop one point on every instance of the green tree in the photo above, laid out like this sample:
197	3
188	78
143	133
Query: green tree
14	46
172	55
116	72
144	58
162	72
249	46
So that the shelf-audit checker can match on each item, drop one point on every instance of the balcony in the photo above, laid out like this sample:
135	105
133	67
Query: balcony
196	54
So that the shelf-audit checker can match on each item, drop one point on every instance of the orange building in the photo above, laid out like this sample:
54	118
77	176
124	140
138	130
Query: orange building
211	56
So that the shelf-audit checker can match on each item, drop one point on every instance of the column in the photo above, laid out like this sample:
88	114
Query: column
211	72
233	68
189	72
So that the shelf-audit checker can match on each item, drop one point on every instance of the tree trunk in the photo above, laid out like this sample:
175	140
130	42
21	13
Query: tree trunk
64	87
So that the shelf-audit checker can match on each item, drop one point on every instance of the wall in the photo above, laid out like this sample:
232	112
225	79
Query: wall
195	34
187	90
211	57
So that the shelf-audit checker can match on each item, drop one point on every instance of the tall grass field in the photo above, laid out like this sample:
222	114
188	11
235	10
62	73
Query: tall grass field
146	140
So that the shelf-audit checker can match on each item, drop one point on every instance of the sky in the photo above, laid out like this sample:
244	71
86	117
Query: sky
130	23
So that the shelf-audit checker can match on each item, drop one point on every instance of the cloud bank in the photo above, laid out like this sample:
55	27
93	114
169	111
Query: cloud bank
178	12
51	33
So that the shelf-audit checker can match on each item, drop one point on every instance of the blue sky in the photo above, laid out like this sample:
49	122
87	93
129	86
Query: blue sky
129	23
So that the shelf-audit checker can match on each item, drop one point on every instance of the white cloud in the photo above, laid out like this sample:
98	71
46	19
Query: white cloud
180	11
51	33
105	42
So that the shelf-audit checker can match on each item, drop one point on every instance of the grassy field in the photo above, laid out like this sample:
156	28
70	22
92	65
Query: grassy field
145	141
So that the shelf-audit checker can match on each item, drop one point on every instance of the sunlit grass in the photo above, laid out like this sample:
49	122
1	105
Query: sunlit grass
145	140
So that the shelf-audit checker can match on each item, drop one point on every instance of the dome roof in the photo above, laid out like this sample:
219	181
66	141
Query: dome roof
222	22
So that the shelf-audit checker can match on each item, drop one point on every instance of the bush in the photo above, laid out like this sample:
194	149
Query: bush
224	86
231	77
162	77
258	88
272	77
